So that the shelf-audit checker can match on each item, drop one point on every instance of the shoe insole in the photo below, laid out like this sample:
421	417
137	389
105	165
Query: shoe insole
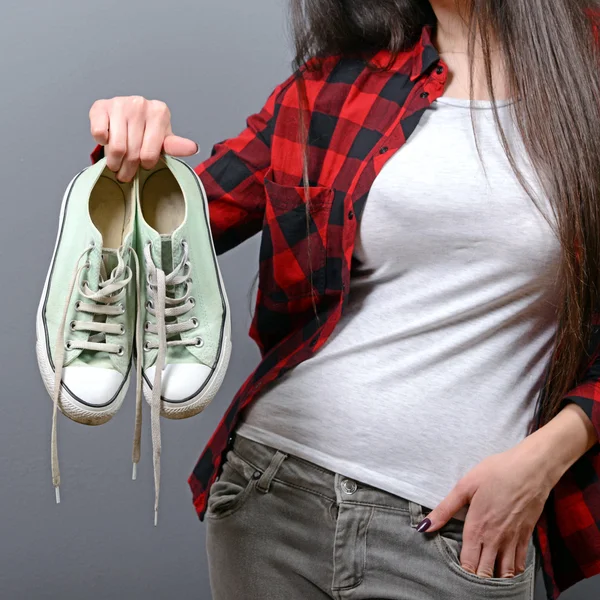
162	202
107	211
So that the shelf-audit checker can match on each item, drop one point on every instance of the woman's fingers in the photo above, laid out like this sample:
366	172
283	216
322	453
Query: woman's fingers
152	145
487	561
116	148
158	120
134	131
99	121
135	135
471	548
505	563
521	554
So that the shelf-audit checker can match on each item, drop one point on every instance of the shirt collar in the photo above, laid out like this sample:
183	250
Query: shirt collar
424	53
417	60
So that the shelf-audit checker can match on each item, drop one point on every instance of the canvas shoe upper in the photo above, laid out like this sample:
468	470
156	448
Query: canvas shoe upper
86	315
185	313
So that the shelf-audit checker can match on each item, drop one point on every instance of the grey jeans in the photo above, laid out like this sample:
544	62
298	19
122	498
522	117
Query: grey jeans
282	528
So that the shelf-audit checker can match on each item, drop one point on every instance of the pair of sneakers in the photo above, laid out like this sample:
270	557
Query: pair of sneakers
134	280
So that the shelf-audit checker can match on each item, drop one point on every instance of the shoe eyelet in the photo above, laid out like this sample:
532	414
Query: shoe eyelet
147	346
149	305
192	300
85	283
195	322
146	325
189	281
93	244
122	330
120	305
121	351
184	243
87	265
72	325
77	305
199	342
68	345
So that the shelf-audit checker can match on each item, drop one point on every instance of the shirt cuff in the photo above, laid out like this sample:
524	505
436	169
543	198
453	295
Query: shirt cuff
97	154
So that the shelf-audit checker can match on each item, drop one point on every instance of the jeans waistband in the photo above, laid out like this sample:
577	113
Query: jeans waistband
300	473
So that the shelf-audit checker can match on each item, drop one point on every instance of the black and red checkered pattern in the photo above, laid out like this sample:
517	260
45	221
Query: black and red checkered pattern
357	119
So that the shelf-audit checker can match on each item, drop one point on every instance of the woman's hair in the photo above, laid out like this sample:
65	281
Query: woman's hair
551	61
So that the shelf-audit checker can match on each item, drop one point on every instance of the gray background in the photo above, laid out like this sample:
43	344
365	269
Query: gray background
214	64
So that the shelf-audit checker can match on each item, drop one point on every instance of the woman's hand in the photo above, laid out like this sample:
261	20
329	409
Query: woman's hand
506	494
135	131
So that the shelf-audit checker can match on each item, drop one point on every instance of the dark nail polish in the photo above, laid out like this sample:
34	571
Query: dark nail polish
424	525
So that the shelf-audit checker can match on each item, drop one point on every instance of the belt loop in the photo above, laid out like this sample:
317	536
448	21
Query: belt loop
264	483
417	512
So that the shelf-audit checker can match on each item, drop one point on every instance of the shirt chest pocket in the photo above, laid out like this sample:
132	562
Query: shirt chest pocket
293	250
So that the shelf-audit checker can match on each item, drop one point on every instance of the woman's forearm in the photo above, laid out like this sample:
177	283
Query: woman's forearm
562	441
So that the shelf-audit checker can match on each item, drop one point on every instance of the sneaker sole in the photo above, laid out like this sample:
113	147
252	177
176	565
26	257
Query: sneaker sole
70	405
198	402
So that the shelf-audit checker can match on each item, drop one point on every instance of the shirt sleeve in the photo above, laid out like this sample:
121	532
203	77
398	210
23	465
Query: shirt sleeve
233	176
587	393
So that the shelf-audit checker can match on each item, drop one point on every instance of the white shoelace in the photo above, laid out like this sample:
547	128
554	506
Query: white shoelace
107	301
165	309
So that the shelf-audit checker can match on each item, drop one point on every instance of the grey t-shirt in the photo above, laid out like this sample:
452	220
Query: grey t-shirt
440	353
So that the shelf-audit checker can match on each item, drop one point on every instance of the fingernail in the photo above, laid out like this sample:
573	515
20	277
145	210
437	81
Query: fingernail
197	150
424	525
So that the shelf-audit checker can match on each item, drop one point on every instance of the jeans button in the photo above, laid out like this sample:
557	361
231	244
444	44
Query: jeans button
349	486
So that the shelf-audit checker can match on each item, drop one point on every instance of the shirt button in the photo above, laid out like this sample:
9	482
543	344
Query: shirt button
439	70
350	215
349	486
383	150
424	94
313	343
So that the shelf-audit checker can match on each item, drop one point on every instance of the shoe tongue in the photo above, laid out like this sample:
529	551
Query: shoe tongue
109	258
166	253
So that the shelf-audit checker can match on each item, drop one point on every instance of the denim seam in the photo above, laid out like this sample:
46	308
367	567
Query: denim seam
299	487
375	505
365	544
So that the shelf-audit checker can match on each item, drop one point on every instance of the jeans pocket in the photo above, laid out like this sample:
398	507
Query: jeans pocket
449	540
235	484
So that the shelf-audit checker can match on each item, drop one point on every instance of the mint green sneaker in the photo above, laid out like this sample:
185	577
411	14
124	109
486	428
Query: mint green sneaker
86	315
185	312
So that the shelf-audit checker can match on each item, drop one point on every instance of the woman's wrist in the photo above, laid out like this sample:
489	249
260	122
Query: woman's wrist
561	442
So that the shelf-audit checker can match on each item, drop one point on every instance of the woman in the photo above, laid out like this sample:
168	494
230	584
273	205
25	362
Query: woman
443	437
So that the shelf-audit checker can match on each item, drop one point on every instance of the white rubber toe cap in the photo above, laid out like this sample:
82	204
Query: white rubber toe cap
93	385
180	381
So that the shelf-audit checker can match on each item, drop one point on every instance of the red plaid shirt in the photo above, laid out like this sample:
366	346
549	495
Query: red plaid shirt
358	119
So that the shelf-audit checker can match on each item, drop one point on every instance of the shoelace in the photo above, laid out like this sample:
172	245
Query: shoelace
107	302
165	309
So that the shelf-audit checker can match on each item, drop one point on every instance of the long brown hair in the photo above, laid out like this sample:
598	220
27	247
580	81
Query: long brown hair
551	60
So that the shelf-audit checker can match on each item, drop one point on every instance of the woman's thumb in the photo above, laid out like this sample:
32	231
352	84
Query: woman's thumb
445	510
180	146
